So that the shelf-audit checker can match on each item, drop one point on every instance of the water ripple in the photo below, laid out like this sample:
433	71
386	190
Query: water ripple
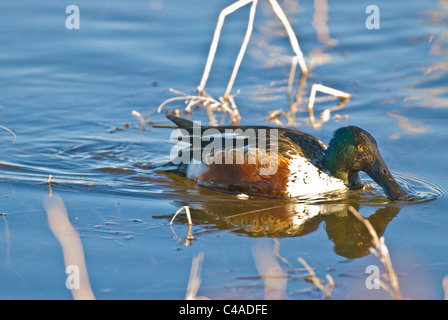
421	187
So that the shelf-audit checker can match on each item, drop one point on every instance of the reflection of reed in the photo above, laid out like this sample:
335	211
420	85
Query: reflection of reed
6	234
71	245
408	127
320	17
326	289
382	253
189	237
445	286
194	282
433	96
270	271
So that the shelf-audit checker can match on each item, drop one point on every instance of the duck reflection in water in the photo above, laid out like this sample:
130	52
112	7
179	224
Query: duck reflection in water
289	218
350	236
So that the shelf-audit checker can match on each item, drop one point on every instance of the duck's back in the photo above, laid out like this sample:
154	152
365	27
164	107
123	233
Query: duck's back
258	160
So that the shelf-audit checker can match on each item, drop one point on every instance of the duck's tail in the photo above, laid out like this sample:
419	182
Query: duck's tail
180	122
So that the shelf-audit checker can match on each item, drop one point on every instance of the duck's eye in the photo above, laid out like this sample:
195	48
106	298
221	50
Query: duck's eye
360	147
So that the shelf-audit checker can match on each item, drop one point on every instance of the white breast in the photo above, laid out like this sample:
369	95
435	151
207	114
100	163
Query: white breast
307	179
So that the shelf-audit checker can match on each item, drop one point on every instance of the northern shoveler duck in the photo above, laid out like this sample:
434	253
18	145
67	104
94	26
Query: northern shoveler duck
298	164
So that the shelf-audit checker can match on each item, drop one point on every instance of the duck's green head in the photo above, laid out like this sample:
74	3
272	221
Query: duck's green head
353	149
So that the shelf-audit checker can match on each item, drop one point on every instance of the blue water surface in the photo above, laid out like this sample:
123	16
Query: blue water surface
68	96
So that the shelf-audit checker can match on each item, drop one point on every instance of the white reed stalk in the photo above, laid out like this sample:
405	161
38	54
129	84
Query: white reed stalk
382	254
211	55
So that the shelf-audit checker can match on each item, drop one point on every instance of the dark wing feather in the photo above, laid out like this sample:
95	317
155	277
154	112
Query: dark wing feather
245	178
290	142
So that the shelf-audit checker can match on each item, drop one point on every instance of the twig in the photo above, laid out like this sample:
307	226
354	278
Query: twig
10	131
187	212
383	254
325	115
243	48
141	117
206	101
211	55
275	115
316	281
49	186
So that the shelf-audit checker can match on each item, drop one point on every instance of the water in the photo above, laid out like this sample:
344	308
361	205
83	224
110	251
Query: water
68	96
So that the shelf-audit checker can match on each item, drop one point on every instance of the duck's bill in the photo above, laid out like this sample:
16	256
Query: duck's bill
381	175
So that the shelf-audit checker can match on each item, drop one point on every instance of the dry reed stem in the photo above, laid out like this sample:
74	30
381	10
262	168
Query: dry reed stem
141	118
381	253
214	45
208	102
232	8
10	131
227	103
316	281
188	214
276	115
250	26
325	115
49	186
